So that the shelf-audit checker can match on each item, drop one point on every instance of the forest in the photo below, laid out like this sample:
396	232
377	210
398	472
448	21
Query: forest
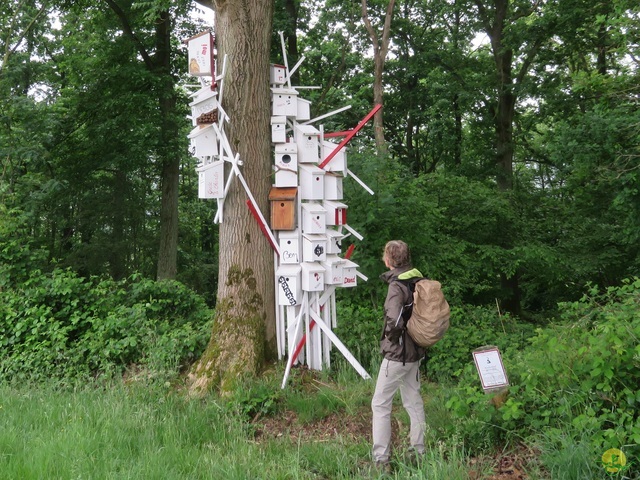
506	154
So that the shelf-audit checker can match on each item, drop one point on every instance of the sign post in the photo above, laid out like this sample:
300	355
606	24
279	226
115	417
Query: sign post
490	368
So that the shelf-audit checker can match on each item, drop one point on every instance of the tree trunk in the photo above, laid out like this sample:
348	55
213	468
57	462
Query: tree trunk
244	328
168	153
380	49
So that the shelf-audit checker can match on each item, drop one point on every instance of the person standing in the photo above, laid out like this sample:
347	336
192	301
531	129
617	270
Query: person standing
401	362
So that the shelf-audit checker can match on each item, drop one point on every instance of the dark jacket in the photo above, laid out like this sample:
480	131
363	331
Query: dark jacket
395	343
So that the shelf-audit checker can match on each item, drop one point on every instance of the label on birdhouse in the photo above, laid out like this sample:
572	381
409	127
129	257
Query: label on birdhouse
201	58
490	368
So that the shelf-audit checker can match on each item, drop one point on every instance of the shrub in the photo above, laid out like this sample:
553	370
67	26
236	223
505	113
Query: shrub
63	325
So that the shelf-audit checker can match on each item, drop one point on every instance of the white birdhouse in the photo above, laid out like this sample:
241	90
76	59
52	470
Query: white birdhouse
333	186
333	266
336	212
284	102
311	182
308	139
286	156
204	101
204	141
288	284
314	218
286	178
304	110
334	241
279	129
312	277
349	274
339	162
277	74
201	54
314	247
211	180
289	244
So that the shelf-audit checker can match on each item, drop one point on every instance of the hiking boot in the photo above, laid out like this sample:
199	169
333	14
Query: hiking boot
383	468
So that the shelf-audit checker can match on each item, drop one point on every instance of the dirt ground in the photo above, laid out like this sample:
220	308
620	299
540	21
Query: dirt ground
506	466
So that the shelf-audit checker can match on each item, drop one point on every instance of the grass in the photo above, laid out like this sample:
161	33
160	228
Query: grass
142	431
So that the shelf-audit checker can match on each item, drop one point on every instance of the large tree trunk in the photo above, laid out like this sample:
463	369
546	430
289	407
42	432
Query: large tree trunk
244	327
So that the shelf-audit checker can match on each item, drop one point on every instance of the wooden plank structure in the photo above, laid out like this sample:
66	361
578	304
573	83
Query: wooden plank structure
307	214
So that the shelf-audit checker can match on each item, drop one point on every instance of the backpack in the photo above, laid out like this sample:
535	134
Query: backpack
430	312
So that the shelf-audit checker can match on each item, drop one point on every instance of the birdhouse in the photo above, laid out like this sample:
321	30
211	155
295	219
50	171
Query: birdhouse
288	284
311	182
204	103
308	140
336	212
204	141
304	110
333	186
201	55
334	241
286	156
279	129
277	74
314	218
289	243
349	274
284	102
333	266
339	162
283	208
211	180
312	277
286	178
314	247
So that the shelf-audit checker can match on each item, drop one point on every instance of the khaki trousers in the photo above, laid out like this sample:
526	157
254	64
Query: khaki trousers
394	376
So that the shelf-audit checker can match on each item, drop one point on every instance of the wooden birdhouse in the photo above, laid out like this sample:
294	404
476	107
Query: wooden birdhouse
204	141
203	106
339	162
311	182
314	247
201	54
304	110
277	74
333	266
334	241
288	285
284	102
286	156
283	208
211	180
312	277
349	274
314	218
336	212
279	129
308	140
289	245
333	186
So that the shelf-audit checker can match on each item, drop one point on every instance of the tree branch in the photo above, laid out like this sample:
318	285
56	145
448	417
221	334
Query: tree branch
126	27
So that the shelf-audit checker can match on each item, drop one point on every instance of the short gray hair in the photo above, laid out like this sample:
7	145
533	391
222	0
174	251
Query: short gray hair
397	253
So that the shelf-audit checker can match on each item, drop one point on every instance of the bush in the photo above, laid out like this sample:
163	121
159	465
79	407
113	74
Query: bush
579	377
62	325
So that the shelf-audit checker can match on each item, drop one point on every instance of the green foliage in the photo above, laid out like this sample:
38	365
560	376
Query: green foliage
62	325
579	377
472	328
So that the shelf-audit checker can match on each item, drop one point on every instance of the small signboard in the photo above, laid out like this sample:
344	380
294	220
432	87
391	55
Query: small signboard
490	368
201	56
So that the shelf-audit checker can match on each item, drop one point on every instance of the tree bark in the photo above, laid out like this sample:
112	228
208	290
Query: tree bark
244	327
380	50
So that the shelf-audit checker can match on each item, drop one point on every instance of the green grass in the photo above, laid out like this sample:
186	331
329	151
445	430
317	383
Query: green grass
144	431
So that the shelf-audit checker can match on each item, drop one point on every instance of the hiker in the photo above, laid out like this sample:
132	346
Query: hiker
401	362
